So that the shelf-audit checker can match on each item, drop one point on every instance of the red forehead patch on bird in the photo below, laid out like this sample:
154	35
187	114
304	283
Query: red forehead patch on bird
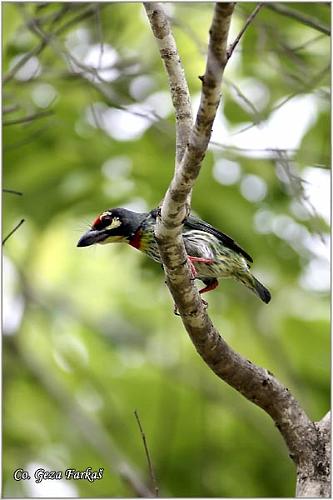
96	222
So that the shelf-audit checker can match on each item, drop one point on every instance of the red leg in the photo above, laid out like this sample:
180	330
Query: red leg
197	259
211	286
200	259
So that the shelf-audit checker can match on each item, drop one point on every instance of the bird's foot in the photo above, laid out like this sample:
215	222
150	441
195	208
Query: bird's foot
192	268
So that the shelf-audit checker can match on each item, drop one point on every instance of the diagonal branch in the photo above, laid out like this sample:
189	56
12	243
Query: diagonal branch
255	383
145	445
83	14
28	118
12	231
12	191
314	23
241	33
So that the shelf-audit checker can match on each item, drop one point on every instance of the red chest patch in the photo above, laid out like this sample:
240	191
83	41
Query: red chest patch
135	240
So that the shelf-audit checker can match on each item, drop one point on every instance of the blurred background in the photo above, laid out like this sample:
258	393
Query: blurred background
90	334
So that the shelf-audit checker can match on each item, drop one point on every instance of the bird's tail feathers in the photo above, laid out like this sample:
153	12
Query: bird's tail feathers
255	286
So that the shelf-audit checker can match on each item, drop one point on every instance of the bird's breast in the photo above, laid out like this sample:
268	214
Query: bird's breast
135	240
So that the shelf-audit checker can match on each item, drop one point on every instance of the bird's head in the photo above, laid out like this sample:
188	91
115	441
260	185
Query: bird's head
112	226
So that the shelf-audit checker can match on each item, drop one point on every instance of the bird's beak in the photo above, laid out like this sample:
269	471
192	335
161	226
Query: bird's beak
91	237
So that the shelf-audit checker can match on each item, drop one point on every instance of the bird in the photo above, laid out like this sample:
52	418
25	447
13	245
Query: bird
211	253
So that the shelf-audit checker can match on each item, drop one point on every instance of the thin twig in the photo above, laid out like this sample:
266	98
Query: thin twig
86	12
28	118
100	35
34	52
12	231
241	33
28	139
314	81
306	44
298	16
150	465
12	191
255	113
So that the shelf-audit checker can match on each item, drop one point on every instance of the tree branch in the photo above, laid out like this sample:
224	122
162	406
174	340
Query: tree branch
145	445
173	211
298	16
28	118
83	14
255	383
12	232
241	33
12	191
313	477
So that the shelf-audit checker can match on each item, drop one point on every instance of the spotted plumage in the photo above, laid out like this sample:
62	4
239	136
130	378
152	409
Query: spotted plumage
211	253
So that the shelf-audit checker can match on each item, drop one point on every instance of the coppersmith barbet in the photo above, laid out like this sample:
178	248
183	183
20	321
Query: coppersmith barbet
211	253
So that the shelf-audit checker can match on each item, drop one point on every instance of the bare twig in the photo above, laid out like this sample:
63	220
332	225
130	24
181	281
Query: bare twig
296	186
83	14
12	231
306	44
150	465
12	191
28	118
73	62
241	33
34	52
281	8
245	99
28	139
100	34
306	85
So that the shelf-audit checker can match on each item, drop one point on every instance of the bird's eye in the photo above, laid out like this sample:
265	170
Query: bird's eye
102	221
106	220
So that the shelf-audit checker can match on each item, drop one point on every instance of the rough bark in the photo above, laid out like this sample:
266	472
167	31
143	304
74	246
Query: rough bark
313	473
308	442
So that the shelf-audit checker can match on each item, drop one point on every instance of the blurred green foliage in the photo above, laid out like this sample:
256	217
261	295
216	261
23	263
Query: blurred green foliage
90	335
